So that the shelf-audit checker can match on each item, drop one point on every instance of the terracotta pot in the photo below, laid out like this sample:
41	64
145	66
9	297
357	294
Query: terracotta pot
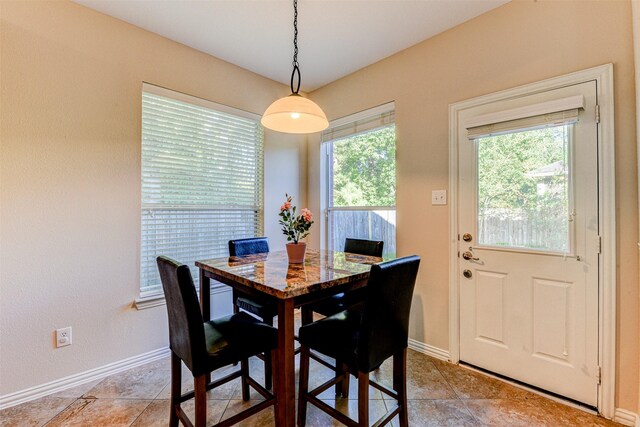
296	252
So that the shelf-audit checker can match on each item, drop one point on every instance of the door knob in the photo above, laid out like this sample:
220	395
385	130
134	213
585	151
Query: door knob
467	274
469	256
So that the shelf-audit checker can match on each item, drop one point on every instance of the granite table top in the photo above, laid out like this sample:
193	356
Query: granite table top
272	274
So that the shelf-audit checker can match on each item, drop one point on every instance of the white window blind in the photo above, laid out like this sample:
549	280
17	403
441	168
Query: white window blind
365	121
563	111
202	180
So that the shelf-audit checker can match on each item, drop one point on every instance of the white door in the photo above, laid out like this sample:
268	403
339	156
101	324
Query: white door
528	208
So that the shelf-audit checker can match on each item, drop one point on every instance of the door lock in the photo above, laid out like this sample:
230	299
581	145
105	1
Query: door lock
467	237
467	274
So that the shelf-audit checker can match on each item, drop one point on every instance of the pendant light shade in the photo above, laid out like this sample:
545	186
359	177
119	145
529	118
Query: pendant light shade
293	113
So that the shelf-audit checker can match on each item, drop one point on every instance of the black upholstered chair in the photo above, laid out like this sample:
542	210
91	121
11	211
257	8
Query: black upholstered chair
364	247
339	302
207	346
263	308
363	338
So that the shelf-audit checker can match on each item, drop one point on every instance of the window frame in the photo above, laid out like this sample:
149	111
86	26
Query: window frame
151	297
326	166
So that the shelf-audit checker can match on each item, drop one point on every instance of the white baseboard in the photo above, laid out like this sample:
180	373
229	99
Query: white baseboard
429	350
626	418
46	389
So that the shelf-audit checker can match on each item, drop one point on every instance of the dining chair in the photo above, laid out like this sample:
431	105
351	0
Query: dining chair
363	339
261	307
339	302
207	346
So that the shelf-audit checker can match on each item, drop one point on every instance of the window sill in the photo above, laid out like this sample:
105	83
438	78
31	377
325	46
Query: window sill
156	300
150	301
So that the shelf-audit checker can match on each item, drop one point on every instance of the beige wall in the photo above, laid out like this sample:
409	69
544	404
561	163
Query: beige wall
636	50
70	82
519	43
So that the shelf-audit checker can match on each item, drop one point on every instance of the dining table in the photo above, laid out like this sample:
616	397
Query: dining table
270	275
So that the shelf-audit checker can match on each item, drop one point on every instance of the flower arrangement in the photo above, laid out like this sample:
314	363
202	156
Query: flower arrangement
294	227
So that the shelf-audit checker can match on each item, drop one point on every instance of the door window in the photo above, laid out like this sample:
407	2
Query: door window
523	190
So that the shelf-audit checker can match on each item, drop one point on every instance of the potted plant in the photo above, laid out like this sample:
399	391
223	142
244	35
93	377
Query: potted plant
295	228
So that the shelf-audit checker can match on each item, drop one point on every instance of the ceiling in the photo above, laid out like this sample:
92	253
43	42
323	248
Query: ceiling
336	37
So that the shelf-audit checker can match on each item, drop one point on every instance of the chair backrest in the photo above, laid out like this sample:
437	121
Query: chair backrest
186	330
363	247
252	245
384	329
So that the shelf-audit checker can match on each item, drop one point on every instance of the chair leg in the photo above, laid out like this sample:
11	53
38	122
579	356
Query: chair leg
400	384
344	384
303	386
244	370
200	398
306	315
176	390
363	399
268	372
342	387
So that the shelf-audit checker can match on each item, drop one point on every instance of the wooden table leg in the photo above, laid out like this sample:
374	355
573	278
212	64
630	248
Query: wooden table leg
205	296
285	383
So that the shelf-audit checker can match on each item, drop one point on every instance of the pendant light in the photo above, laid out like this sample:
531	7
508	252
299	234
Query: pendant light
294	113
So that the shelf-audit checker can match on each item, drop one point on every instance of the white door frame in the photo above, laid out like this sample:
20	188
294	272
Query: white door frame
603	75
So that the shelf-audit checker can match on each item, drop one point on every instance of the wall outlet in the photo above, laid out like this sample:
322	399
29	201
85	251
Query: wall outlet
439	197
63	337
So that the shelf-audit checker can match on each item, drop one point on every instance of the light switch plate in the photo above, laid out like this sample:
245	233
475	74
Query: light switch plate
439	197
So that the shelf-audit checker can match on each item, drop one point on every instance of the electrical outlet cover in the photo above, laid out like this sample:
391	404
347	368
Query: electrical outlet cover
63	337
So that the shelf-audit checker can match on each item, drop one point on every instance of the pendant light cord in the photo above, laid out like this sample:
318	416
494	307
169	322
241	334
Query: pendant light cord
296	66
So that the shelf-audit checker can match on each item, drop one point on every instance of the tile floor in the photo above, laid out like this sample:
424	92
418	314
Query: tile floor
440	394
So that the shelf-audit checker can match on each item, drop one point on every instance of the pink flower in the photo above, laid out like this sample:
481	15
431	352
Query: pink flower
285	207
306	214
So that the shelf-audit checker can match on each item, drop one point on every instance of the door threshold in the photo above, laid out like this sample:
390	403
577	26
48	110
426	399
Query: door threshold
533	389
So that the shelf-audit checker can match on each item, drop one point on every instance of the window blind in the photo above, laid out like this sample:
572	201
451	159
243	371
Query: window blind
552	113
358	123
202	180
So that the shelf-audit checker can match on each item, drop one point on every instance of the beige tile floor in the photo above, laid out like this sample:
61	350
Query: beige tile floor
440	394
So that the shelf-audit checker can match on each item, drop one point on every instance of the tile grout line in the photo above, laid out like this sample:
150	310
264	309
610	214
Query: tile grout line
446	380
61	411
151	402
458	398
142	412
224	411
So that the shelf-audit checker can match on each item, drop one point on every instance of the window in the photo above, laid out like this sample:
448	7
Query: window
524	176
361	178
523	189
202	180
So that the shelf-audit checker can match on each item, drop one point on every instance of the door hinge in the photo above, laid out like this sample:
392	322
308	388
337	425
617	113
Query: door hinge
597	114
599	375
599	244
